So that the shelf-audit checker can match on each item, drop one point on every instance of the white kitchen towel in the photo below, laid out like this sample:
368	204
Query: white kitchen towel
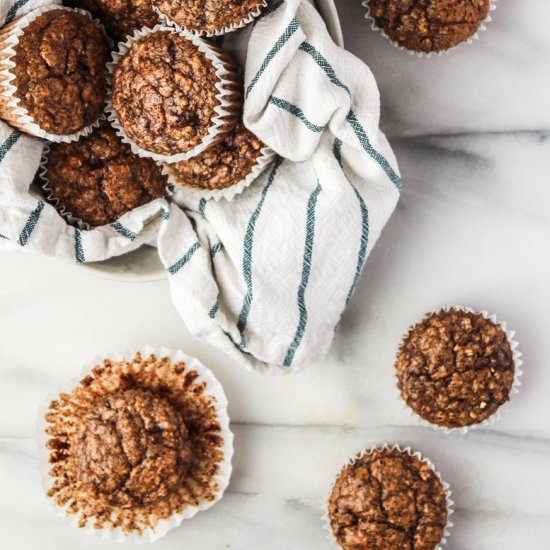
267	276
28	221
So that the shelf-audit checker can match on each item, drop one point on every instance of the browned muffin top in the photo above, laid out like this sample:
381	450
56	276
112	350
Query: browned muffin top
223	164
164	93
429	25
388	500
132	447
98	179
60	71
207	15
120	17
455	368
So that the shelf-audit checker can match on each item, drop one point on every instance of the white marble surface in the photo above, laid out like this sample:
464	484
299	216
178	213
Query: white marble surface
471	131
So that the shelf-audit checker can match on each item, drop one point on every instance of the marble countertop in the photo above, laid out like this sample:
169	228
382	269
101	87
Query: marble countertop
471	131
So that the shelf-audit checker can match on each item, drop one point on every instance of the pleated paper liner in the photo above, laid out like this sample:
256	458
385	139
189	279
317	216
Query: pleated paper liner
518	372
218	32
229	94
201	488
393	447
470	40
182	190
10	109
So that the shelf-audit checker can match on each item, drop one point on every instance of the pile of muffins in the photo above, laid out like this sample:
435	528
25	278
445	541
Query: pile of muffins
173	100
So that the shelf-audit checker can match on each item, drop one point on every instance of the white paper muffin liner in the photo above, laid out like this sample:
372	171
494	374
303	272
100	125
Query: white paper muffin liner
473	38
18	116
518	372
393	447
228	86
162	527
223	30
181	191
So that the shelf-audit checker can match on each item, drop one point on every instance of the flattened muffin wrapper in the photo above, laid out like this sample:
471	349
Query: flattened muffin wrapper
162	526
473	38
10	109
218	32
229	94
182	191
415	454
68	216
516	384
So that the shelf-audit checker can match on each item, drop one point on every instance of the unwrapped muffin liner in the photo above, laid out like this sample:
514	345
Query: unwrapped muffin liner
518	372
68	216
223	30
181	191
393	447
213	388
228	86
470	40
12	112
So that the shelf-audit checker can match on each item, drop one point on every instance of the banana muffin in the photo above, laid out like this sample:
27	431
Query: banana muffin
222	165
429	25
60	71
388	499
98	179
209	16
455	368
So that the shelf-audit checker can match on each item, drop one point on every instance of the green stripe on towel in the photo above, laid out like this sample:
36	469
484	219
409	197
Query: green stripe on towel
125	232
247	253
8	144
281	41
306	269
214	309
297	112
78	248
184	259
218	247
202	206
13	11
31	224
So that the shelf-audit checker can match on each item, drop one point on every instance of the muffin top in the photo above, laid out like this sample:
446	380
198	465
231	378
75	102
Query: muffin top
223	164
60	71
207	15
388	500
98	179
119	17
429	25
455	368
132	448
164	93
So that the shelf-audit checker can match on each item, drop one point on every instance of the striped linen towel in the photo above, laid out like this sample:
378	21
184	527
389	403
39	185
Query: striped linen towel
27	221
267	276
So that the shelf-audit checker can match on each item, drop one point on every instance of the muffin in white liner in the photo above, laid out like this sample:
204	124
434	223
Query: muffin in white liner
220	30
239	155
229	94
12	111
189	387
444	487
515	386
470	40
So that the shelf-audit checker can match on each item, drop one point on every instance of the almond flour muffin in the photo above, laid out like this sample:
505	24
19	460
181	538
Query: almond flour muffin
59	72
166	95
98	179
136	446
429	25
455	368
388	499
222	165
209	16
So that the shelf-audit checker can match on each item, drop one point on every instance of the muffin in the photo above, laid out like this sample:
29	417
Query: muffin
98	179
388	499
56	87
119	17
172	95
456	368
224	168
137	446
210	17
429	26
